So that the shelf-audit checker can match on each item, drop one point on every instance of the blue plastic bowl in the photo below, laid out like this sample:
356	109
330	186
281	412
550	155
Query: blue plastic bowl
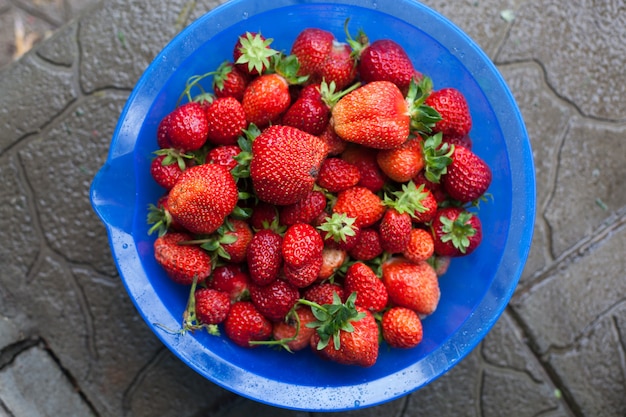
476	288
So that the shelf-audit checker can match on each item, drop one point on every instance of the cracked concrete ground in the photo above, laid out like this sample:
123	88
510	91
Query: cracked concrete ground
559	349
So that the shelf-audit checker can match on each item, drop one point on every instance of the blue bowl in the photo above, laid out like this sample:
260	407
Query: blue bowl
476	288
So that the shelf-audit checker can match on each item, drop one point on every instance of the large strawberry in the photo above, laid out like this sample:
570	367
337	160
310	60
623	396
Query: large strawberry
302	244
468	176
456	232
285	163
182	263
412	285
375	115
203	197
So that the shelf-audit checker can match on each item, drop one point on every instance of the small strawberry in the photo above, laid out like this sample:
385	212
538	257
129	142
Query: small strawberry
345	333
371	293
395	229
224	155
163	136
402	328
229	81
160	218
339	231
293	333
238	235
245	323
420	247
323	293
339	67
364	159
212	306
375	115
232	280
264	216
412	285
308	113
226	120
468	176
418	202
275	299
333	142
451	105
464	141
203	197
440	264
188	127
402	163
304	275
182	263
265	99
252	53
368	246
337	175
332	260
285	163
265	257
312	46
165	171
361	204
456	232
302	244
305	210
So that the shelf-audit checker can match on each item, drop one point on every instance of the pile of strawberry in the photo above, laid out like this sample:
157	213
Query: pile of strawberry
313	199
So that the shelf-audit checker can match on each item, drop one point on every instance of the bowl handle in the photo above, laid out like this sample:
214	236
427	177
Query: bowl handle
112	192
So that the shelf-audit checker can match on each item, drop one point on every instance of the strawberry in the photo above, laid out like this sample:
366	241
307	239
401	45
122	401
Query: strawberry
245	323
275	299
232	280
464	141
375	115
302	244
226	120
264	256
339	67
238	234
160	218
371	293
401	163
252	53
394	229
265	99
165	171
468	176
224	155
264	216
203	197
212	306
293	333
312	46
337	175
411	285
308	113
368	246
323	293
304	275
420	246
305	210
163	136
229	81
285	162
345	333
188	127
333	142
339	231
456	232
451	105
418	202
371	176
386	60
332	260
360	204
182	263
440	263
402	328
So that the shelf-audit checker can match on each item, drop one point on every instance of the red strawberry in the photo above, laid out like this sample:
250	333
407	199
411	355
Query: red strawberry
188	127
160	218
456	232
418	202
203	197
468	176
163	136
361	204
245	323
252	53
275	299
386	60
347	334
224	155
402	163
323	293
368	246
339	67
412	285
337	175
264	216
332	260
333	142
394	229
229	81
293	333
371	293
231	279
309	112
402	328
339	231
302	244
265	257
304	275
312	46
305	210
364	159
226	120
265	99
165	171
464	141
182	263
285	162
450	103
420	247
238	235
212	306
375	115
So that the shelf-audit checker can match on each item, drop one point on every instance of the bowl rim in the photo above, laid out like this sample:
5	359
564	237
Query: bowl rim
112	209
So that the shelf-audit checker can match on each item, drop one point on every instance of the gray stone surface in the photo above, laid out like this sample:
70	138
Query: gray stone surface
559	348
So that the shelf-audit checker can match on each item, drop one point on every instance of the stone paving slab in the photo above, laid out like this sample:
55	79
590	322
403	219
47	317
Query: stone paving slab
558	350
